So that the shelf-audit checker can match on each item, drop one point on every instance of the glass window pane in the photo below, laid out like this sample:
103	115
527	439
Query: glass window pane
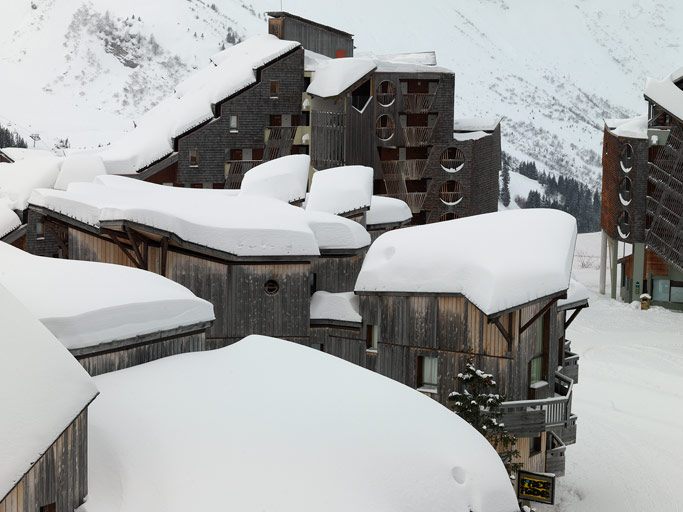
676	294
536	370
660	290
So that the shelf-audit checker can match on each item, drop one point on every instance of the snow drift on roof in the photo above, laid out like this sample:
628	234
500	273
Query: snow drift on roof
18	179
335	232
632	128
576	295
476	124
9	221
335	306
85	304
497	260
387	210
79	168
665	94
257	51
677	75
17	154
341	189
284	178
313	60
422	58
42	390
297	438
470	136
336	75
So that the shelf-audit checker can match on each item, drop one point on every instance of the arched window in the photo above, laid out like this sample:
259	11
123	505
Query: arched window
625	190
452	160
450	193
626	157
385	127
624	225
386	93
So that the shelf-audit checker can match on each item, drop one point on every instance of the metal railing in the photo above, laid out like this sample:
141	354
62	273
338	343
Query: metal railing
280	133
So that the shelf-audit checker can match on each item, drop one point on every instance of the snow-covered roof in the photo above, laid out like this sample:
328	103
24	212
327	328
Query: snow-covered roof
19	179
341	189
387	210
267	424
244	225
497	260
42	390
665	94
476	124
677	75
469	136
313	60
342	307
422	58
577	295
336	75
17	154
230	71
284	178
633	128
9	221
79	168
85	304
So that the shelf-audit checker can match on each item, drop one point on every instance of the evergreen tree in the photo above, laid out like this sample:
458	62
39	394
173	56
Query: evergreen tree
9	139
479	405
505	189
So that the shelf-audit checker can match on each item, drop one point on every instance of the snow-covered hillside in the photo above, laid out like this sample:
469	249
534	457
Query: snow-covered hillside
84	68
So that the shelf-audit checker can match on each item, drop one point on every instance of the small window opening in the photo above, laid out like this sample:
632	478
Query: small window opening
271	287
274	88
427	372
371	337
194	157
361	96
234	126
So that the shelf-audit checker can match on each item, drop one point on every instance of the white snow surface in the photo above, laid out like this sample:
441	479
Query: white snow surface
284	178
19	179
42	390
666	94
474	124
497	260
313	60
311	433
633	128
520	186
387	210
577	293
470	135
335	306
341	189
9	221
79	168
85	304
333	77
335	232
17	154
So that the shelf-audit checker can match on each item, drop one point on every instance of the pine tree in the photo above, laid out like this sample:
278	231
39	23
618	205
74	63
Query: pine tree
479	405
505	189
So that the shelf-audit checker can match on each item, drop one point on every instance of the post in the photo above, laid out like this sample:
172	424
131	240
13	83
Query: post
613	256
638	270
603	260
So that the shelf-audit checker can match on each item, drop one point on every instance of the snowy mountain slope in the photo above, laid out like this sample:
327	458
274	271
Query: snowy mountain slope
553	69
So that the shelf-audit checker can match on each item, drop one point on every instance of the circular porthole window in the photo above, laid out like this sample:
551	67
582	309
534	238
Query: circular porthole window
625	190
450	193
452	160
271	287
385	127
626	157
386	93
624	225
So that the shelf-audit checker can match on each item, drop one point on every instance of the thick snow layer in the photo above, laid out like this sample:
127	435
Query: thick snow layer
665	93
85	304
313	60
79	168
284	178
387	210
9	221
42	390
341	189
19	179
475	124
17	154
335	306
423	58
335	232
267	424
497	260
336	75
470	135
633	128
577	294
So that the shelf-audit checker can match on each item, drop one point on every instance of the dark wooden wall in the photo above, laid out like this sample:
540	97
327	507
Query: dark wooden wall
342	339
59	476
337	273
317	38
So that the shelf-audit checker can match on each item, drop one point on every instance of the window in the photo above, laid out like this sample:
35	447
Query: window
535	446
194	157
236	154
450	193
274	88
452	160
40	230
386	93
427	373
361	96
537	364
661	289
676	290
234	127
625	190
271	287
52	507
624	225
385	127
276	120
313	282
371	337
626	157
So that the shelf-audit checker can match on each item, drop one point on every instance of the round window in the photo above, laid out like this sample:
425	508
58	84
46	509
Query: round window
386	93
624	225
625	190
271	287
385	127
626	157
452	160
450	193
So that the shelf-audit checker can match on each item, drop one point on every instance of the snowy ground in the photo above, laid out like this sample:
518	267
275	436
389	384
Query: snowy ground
629	402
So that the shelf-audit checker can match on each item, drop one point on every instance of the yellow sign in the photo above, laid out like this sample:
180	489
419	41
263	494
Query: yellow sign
536	487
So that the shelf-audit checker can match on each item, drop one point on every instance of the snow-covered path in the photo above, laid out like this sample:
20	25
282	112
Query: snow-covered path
629	402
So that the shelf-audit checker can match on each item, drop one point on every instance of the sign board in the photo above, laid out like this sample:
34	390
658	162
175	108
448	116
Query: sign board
538	487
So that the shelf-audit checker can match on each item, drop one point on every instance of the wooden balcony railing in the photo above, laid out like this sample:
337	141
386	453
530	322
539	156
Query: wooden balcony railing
554	457
415	200
407	169
284	133
235	169
417	135
418	102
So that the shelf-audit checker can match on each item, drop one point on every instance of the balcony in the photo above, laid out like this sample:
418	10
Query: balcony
280	133
418	103
407	169
235	169
417	135
554	455
570	368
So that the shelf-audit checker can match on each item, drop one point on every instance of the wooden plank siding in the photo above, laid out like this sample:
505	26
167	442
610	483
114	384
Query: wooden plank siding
337	273
342	339
59	476
531	462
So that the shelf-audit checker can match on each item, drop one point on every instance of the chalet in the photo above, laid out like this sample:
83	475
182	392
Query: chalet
257	259
642	198
109	317
485	289
316	37
44	423
395	114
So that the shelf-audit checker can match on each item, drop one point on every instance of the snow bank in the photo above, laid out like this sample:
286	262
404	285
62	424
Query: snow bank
665	94
576	295
497	260
284	178
387	210
17	154
335	232
633	128
18	179
42	390
335	306
341	189
9	221
77	168
85	304
267	424
333	77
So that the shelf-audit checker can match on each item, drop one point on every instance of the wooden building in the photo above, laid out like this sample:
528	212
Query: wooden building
316	37
642	198
44	429
424	318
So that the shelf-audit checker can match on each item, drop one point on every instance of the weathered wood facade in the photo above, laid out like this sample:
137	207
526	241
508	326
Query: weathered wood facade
319	38
58	481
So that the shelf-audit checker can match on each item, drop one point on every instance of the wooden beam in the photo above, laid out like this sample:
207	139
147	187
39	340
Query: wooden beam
125	248
571	318
536	316
503	331
164	255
